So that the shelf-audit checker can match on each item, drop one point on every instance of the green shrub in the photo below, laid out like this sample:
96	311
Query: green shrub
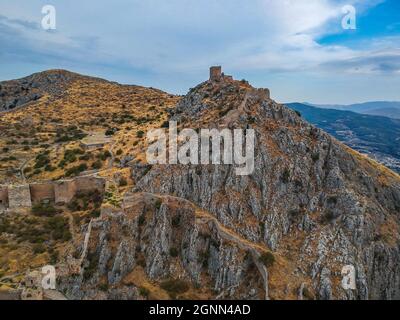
49	168
27	170
174	287
328	217
158	204
97	165
332	200
39	248
54	255
92	267
59	228
105	155
123	182
103	287
294	213
315	156
267	259
173	252
176	221
42	160
95	213
144	292
142	219
74	171
285	175
85	157
44	210
109	132
308	294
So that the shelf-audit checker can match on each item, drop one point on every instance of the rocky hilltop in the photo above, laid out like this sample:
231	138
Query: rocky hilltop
17	93
311	207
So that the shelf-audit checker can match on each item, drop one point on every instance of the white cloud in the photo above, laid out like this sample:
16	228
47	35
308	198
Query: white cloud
181	38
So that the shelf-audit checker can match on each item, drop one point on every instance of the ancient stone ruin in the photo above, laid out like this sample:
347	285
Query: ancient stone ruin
216	74
14	197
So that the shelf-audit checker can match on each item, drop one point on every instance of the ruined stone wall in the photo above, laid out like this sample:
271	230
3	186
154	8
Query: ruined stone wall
3	196
60	192
19	196
264	93
42	191
64	191
85	184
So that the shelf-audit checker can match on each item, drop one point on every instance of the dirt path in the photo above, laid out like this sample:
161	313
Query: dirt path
255	249
204	217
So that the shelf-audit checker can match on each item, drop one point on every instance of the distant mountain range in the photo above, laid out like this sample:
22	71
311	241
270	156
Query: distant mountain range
377	136
377	108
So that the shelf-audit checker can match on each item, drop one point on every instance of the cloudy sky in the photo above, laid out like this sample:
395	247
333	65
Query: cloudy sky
297	48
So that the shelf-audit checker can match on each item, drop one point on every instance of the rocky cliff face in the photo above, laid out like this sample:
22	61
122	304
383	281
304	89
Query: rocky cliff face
311	204
159	240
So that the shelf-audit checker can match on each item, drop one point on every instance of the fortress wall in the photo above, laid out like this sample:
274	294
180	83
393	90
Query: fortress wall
85	184
264	93
61	192
19	196
4	196
42	191
64	191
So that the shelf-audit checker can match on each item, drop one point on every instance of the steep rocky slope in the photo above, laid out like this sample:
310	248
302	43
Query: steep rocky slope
311	206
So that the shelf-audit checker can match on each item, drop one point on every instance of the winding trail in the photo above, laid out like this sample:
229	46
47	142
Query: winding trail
204	217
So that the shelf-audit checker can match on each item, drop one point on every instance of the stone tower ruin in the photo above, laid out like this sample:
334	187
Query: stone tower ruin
216	73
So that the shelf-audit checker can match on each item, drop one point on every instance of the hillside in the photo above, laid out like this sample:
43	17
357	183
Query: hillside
385	112
310	207
376	136
389	109
36	136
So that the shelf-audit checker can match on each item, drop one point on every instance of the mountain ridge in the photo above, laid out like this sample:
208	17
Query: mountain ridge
371	135
285	231
389	109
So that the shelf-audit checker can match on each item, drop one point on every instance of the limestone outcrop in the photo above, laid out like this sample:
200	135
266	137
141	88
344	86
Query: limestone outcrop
311	207
166	237
310	199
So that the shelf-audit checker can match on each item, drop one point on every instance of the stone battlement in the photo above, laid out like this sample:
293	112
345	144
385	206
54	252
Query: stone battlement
216	75
14	197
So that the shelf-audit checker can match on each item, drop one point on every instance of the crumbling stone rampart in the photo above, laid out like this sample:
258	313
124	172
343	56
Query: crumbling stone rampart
58	192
